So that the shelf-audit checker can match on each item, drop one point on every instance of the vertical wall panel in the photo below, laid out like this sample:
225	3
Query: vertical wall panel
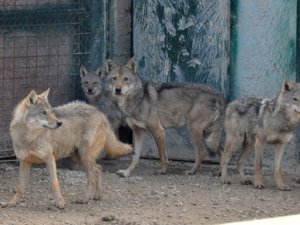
119	46
263	55
263	46
181	41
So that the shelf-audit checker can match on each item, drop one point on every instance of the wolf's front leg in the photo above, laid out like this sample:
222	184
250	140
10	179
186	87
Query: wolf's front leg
278	176
138	138
24	173
51	164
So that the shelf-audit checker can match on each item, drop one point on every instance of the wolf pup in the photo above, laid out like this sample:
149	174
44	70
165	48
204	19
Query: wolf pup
153	108
97	95
252	122
42	134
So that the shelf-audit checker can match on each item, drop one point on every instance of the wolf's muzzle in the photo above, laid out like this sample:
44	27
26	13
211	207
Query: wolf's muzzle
118	91
90	91
54	125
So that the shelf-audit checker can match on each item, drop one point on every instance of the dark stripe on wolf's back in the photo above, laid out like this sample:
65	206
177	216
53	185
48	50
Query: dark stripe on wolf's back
204	88
248	106
164	86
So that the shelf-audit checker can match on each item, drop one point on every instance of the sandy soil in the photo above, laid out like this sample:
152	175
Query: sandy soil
146	198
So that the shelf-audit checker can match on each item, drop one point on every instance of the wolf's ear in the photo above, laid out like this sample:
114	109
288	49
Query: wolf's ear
287	85
31	98
131	64
109	66
45	94
99	71
83	71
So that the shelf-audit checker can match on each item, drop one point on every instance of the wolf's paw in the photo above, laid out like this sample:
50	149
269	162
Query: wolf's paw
246	182
259	186
97	197
60	204
80	201
7	204
217	173
190	172
123	173
160	172
284	187
225	181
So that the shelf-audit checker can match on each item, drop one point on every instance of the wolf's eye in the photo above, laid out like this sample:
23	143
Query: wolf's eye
43	112
94	83
125	78
295	99
114	78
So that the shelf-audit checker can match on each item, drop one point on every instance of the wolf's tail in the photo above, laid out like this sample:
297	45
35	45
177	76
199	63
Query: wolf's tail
114	147
214	139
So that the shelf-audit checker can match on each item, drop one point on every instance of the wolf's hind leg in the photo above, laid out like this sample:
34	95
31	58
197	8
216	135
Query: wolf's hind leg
258	181
232	144
93	191
138	138
197	137
88	155
51	164
24	173
93	173
240	162
98	192
213	143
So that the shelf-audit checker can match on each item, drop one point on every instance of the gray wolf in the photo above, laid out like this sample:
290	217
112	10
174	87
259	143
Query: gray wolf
42	134
96	94
252	122
153	108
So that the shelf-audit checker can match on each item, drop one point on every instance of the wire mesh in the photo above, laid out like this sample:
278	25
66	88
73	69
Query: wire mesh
42	44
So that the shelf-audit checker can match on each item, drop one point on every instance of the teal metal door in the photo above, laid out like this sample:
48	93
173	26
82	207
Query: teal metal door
181	41
263	46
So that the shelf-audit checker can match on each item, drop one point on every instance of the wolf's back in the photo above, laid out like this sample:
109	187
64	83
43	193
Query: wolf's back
89	118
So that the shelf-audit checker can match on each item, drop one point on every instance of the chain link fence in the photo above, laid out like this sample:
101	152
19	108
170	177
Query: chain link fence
42	44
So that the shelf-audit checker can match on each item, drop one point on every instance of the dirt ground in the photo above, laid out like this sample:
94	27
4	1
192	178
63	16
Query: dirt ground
147	198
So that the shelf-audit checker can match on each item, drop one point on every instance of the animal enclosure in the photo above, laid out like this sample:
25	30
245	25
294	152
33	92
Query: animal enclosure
42	44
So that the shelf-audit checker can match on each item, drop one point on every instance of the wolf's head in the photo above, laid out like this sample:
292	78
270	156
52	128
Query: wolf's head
122	80
289	97
36	112
91	82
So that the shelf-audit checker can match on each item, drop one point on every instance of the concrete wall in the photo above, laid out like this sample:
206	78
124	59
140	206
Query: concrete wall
263	46
120	30
263	53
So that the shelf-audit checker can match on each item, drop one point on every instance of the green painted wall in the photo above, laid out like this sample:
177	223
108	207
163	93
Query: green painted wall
263	53
263	46
182	41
